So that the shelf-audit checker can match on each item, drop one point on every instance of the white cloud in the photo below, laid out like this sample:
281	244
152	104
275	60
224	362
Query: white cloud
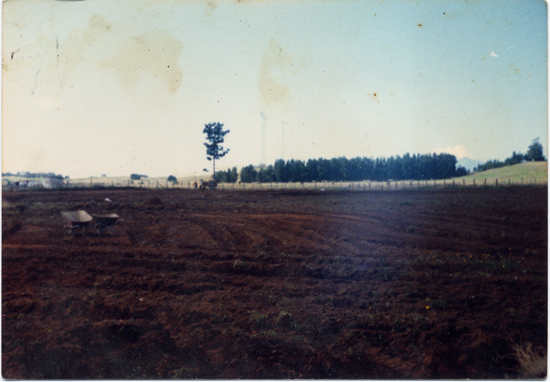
457	151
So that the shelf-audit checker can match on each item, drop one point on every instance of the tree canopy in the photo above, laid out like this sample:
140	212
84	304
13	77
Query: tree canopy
137	176
229	176
534	153
407	167
215	136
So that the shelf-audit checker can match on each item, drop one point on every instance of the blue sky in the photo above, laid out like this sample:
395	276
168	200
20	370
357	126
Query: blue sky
120	87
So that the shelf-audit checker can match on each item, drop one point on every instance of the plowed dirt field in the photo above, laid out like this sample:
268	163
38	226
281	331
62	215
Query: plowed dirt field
445	283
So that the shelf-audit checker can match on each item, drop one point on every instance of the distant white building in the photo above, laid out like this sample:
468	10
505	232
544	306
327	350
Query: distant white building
34	183
52	183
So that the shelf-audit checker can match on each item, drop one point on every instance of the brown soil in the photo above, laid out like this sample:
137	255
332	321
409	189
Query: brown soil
441	283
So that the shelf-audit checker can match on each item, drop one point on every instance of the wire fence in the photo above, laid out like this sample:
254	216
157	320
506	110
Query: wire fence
384	185
319	186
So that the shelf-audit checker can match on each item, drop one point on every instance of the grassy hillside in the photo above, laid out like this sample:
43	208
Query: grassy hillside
529	172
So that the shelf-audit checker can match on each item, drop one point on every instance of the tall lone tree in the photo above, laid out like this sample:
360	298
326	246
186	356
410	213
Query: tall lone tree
215	135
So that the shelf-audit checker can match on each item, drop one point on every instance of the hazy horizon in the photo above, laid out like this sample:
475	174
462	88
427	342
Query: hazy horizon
118	87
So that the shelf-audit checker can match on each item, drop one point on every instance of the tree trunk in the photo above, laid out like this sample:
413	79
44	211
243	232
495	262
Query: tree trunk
214	168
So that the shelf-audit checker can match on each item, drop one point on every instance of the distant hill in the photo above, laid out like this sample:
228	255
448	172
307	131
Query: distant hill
467	163
528	171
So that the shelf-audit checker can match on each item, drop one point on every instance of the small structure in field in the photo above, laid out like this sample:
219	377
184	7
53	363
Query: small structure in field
24	184
76	220
34	183
52	183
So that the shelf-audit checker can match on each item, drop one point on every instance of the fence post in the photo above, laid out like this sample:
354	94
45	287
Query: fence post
496	182
485	182
463	182
453	182
90	182
508	181
474	182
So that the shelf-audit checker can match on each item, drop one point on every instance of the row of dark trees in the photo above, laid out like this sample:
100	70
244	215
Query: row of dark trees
415	167
229	176
407	167
534	154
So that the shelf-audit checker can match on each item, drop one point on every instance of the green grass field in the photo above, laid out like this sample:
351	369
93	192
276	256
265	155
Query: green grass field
529	172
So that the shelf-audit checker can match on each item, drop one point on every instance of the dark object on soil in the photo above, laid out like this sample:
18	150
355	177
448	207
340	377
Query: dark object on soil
105	221
211	184
76	220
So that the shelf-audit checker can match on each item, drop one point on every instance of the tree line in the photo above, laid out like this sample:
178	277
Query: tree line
229	176
406	167
534	154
